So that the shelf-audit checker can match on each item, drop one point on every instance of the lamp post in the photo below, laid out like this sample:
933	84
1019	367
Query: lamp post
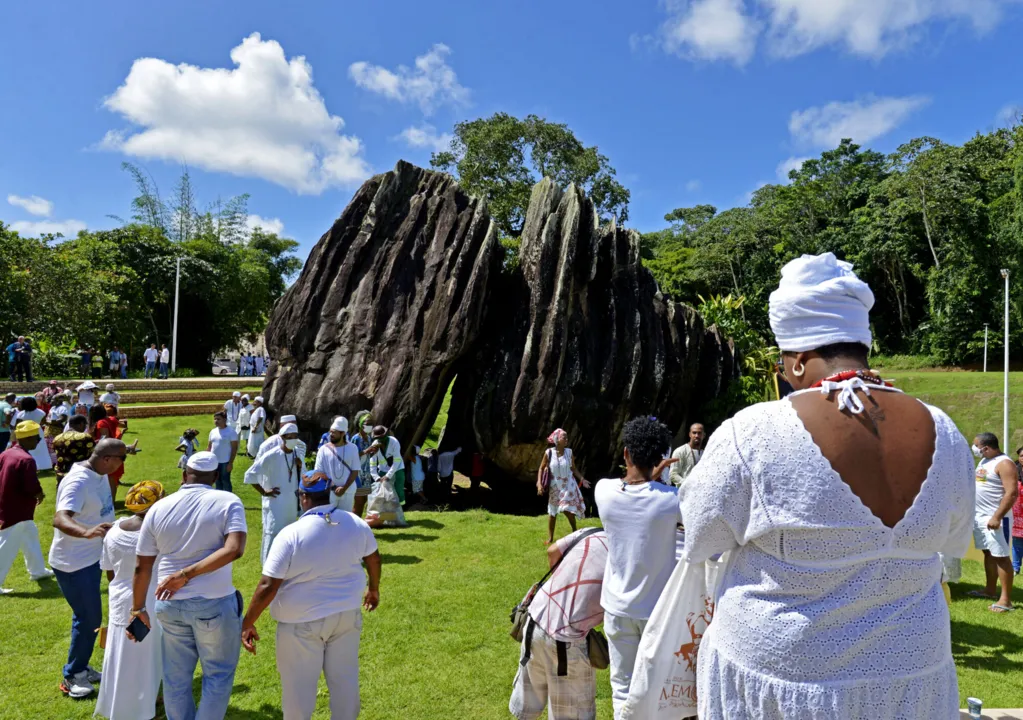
174	338
1005	406
985	347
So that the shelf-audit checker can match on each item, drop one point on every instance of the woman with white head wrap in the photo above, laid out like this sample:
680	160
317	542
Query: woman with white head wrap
257	423
831	602
242	426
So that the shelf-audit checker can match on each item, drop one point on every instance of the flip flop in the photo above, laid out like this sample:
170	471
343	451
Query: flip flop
980	594
996	608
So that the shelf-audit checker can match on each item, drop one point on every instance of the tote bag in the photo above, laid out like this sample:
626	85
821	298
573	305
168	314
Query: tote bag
664	677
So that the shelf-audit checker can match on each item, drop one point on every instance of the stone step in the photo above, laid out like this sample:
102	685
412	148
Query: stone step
230	382
142	397
148	411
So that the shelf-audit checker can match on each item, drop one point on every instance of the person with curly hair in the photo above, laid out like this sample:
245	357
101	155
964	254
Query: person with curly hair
640	518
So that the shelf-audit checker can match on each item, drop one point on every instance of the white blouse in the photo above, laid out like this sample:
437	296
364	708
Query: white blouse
824	612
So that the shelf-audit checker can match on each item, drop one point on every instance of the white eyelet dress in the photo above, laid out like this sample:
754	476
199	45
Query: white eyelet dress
824	611
564	494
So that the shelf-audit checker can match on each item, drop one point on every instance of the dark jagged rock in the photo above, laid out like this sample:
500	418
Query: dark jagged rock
406	291
582	340
389	299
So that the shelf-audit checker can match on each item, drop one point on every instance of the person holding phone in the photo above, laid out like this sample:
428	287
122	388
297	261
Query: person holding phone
132	671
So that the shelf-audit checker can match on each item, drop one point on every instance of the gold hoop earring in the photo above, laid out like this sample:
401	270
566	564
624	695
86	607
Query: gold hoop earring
799	370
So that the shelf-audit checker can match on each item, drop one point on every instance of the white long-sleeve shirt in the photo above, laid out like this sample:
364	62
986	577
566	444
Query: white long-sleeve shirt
278	469
233	409
378	465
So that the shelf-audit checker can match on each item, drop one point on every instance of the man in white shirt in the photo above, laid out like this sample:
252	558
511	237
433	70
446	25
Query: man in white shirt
87	393
151	355
110	397
688	455
197	533
339	461
223	443
164	362
85	511
314	584
233	408
386	462
257	426
275	440
996	491
276	475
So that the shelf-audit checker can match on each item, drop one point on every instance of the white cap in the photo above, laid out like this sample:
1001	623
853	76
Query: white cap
285	419
340	424
287	430
236	394
110	387
203	461
87	385
245	397
258	398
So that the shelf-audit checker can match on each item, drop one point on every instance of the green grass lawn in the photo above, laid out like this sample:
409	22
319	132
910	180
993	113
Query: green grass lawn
437	647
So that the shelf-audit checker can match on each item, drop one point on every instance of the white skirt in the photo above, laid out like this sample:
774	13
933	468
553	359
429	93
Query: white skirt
131	675
255	440
42	456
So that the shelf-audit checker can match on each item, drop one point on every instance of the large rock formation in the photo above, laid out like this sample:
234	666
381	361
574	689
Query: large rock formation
389	299
407	291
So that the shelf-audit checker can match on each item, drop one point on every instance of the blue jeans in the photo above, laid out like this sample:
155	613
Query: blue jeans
81	590
204	631
1017	554
124	372
223	481
150	369
163	370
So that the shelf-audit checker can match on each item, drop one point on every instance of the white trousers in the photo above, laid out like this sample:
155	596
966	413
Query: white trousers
623	636
329	646
23	536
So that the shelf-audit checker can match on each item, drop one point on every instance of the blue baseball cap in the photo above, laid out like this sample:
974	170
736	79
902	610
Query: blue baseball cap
310	485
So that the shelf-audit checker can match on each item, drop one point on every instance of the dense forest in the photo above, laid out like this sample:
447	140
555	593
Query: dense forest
116	287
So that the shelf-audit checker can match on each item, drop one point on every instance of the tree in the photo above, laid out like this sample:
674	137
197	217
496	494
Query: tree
501	158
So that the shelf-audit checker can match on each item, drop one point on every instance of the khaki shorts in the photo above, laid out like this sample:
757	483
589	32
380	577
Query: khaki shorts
537	685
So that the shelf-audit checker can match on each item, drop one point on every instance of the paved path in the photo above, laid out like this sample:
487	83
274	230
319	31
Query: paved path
995	714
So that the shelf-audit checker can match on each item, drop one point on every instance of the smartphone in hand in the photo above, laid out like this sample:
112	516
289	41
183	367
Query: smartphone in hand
138	629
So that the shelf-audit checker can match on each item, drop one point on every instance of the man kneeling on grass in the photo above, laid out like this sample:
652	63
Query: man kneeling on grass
313	581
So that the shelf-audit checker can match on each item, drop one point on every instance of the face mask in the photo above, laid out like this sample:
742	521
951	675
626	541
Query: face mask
976	451
291	444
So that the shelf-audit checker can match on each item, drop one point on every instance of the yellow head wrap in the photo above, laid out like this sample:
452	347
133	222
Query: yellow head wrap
142	495
26	428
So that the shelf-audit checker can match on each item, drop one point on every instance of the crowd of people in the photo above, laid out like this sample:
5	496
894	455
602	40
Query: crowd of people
838	515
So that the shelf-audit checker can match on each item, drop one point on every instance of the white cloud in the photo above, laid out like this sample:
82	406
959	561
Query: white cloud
786	166
31	228
710	30
1008	116
729	29
430	84
270	225
426	136
862	120
33	205
263	118
694	186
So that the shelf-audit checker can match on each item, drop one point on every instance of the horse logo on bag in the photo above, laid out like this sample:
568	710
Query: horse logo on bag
697	624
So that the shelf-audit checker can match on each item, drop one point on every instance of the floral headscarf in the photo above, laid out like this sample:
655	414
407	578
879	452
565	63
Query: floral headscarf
558	434
143	495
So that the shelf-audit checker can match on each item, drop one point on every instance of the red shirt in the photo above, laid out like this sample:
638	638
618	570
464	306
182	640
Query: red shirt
110	424
19	486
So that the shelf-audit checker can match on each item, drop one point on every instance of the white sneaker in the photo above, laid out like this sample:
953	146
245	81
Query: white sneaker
91	675
77	686
5	591
46	574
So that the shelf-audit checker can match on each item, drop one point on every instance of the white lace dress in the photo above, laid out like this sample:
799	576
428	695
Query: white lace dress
825	612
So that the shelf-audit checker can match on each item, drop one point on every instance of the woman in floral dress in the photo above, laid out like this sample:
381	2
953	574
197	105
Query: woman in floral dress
563	494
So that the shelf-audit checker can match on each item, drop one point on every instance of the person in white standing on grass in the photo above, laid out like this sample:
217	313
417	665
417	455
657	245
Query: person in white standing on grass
151	355
257	426
276	475
339	461
20	494
563	494
314	583
164	362
244	417
84	514
132	671
30	412
110	397
276	441
688	455
833	504
996	491
223	442
197	533
87	393
233	408
640	517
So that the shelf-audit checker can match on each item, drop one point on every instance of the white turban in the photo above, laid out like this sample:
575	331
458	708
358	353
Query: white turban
236	394
820	302
110	387
203	461
340	424
285	419
258	398
288	429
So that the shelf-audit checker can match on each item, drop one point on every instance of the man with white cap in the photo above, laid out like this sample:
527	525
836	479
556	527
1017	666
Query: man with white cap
339	461
20	493
87	393
275	441
233	408
314	584
242	426
110	397
197	533
257	423
275	475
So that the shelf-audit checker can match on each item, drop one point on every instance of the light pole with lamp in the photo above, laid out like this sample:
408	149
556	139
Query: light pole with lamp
174	338
1005	406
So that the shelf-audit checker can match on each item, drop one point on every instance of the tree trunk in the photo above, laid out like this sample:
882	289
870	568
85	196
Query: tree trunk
927	227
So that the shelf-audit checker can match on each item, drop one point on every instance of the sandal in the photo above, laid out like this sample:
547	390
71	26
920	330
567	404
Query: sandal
980	594
996	608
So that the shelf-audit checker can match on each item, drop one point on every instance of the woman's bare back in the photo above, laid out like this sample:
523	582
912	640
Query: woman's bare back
882	454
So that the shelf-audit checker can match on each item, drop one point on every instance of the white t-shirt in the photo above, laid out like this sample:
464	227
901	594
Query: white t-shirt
86	494
321	565
257	419
165	355
221	441
119	556
278	469
110	398
331	460
232	409
87	397
640	522
188	526
151	354
990	490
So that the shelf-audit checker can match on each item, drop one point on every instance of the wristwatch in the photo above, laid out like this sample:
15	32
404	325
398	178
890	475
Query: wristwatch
136	613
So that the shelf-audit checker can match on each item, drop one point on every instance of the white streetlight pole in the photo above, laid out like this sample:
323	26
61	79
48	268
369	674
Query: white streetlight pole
174	339
985	347
1005	407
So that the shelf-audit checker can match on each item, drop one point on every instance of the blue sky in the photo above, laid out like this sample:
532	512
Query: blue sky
693	101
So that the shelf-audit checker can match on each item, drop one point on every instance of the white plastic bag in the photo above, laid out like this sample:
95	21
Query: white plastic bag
951	568
664	677
383	503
